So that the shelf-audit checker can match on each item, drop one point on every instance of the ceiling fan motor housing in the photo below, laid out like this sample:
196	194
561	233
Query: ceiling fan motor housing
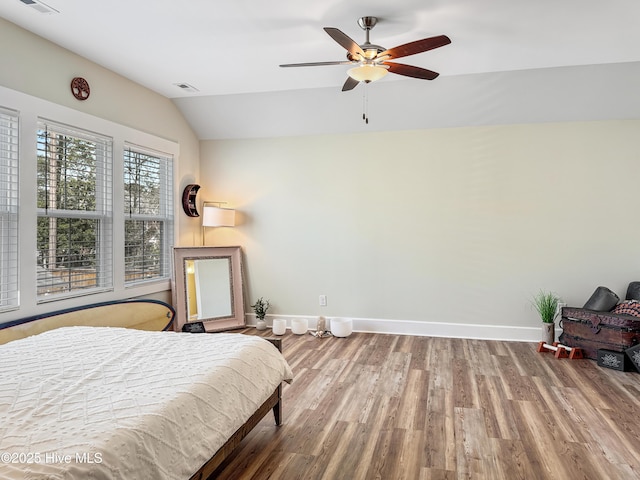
371	50
367	23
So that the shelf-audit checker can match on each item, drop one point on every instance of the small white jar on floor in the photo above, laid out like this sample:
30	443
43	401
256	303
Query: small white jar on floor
341	327
299	326
279	326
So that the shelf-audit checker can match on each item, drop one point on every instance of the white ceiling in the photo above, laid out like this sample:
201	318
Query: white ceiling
230	51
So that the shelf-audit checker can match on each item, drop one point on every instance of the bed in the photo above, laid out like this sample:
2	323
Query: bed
104	402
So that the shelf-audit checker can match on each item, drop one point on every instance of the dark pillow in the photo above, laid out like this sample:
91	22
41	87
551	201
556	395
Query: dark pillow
633	292
628	307
602	300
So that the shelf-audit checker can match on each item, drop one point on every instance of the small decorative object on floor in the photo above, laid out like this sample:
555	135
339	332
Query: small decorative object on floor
546	304
614	360
341	327
299	326
260	309
634	355
561	351
193	327
261	325
279	326
321	329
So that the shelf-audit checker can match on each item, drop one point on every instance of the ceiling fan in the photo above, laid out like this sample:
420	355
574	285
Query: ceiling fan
372	61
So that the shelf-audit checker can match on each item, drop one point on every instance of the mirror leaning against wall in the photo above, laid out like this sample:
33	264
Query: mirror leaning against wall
208	287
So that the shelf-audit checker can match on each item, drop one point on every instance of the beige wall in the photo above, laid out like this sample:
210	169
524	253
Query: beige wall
454	226
37	67
459	226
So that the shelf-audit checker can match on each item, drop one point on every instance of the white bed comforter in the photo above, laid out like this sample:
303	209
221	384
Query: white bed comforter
113	403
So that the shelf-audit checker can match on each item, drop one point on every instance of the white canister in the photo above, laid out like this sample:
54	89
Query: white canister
279	326
299	326
341	327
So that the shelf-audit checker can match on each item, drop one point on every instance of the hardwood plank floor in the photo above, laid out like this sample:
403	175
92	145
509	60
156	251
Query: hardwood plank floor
399	407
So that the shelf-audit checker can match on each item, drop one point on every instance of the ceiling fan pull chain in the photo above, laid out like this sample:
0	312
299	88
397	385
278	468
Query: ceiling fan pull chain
366	89
365	104
364	107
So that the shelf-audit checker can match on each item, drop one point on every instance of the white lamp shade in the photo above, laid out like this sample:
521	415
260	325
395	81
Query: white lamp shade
218	217
367	73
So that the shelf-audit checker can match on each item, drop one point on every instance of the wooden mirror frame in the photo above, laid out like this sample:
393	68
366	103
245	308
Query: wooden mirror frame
179	286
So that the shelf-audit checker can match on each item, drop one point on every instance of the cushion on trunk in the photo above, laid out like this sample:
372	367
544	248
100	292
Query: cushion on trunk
602	300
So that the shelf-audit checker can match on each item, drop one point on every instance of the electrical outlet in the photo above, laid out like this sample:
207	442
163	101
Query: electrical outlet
323	300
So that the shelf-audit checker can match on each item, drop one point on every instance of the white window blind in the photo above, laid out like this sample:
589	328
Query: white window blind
148	204
9	288
74	195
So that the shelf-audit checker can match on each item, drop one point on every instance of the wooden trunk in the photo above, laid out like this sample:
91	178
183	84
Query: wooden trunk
591	330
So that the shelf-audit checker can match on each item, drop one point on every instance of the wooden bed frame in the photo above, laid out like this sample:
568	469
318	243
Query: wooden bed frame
274	402
142	314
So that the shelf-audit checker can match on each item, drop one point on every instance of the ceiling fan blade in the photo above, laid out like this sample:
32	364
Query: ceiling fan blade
318	64
350	84
411	71
345	41
418	46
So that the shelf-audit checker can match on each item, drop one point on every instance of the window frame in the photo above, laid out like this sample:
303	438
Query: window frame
9	208
30	109
165	215
102	214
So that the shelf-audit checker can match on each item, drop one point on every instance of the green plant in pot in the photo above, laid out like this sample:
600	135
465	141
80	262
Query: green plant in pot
260	309
546	304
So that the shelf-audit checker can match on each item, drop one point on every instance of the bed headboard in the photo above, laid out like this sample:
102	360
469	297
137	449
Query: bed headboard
142	314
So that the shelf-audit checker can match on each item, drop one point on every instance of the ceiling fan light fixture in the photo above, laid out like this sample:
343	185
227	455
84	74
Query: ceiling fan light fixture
367	73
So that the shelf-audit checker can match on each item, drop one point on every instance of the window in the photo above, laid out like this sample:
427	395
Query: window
71	231
8	209
74	200
148	204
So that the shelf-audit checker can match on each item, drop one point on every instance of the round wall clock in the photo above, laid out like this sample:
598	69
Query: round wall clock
80	88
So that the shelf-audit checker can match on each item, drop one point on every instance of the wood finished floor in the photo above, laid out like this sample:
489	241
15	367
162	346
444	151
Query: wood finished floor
399	407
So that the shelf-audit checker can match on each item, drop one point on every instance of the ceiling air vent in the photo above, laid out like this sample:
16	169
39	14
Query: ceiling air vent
186	87
39	6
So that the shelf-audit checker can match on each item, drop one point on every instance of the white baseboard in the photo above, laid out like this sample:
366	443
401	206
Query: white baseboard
423	329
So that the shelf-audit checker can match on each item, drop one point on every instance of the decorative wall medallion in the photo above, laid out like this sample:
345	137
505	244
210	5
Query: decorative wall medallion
80	88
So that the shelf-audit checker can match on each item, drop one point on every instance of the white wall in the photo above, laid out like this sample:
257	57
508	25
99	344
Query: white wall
449	229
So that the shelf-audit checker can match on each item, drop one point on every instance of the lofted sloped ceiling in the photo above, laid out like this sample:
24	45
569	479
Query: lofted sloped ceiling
508	61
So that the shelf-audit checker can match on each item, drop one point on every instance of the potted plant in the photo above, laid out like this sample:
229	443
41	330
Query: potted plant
546	303
260	309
